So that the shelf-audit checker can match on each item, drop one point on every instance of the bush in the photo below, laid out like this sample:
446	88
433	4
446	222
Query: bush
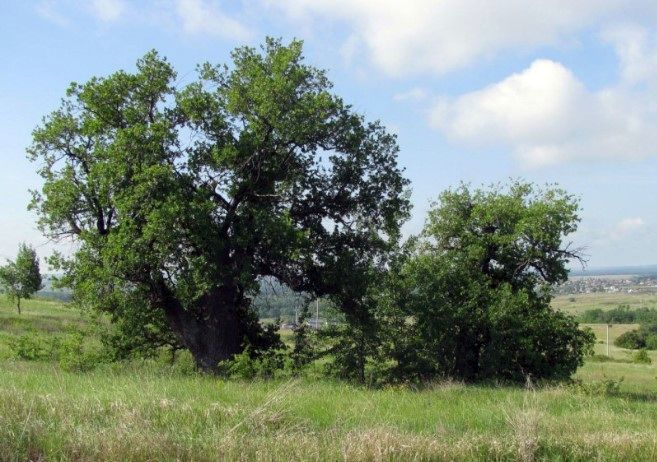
631	340
247	366
605	387
620	315
30	347
643	337
72	355
651	342
641	357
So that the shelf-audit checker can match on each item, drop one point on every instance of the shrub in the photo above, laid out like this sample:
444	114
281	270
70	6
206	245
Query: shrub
30	347
643	337
248	366
631	340
72	355
641	357
604	387
651	342
620	315
302	353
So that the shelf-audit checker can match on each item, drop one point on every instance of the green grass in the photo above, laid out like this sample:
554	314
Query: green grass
151	411
578	304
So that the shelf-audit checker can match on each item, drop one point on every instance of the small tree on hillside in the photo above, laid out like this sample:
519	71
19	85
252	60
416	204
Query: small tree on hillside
21	278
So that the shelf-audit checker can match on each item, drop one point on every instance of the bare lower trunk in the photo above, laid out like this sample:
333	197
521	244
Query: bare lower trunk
213	330
19	305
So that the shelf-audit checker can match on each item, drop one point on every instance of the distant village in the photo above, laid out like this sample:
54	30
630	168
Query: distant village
608	284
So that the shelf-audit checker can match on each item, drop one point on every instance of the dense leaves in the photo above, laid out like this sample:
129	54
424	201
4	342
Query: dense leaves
181	199
184	201
623	314
643	337
472	299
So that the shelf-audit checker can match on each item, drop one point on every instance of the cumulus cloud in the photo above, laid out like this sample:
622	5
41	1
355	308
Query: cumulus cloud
205	17
546	115
439	36
637	51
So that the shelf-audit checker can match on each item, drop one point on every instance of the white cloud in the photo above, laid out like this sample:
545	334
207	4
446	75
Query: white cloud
414	94
627	226
107	10
545	115
47	9
440	36
205	17
637	51
60	11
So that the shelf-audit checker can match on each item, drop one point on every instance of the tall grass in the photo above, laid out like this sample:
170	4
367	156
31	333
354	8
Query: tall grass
144	412
149	410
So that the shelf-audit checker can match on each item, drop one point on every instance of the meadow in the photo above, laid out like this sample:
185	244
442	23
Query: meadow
154	410
579	303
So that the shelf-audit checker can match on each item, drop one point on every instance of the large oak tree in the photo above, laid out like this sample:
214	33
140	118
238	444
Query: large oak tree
181	197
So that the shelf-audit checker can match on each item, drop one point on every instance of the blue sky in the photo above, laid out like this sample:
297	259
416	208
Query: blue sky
477	91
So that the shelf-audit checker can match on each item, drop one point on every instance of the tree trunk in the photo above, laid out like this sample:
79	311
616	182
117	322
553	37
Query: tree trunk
213	330
19	305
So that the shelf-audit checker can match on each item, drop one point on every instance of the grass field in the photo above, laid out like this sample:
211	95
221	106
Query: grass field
154	411
578	304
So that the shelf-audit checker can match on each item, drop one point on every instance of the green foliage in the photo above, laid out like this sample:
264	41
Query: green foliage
605	387
471	301
137	331
302	353
643	337
351	352
622	314
31	347
248	366
631	340
641	357
74	357
21	278
651	342
354	345
181	199
68	350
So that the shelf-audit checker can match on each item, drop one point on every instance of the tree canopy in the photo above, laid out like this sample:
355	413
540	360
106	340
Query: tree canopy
471	300
181	198
21	278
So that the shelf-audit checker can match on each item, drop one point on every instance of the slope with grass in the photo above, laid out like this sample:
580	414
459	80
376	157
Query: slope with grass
579	303
153	410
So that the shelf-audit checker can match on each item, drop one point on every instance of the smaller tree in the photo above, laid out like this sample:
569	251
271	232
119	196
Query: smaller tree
21	278
471	300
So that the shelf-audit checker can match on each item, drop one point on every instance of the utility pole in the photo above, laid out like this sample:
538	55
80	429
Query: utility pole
608	326
317	313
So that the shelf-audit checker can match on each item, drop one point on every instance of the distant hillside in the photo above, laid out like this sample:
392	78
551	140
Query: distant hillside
646	270
49	291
